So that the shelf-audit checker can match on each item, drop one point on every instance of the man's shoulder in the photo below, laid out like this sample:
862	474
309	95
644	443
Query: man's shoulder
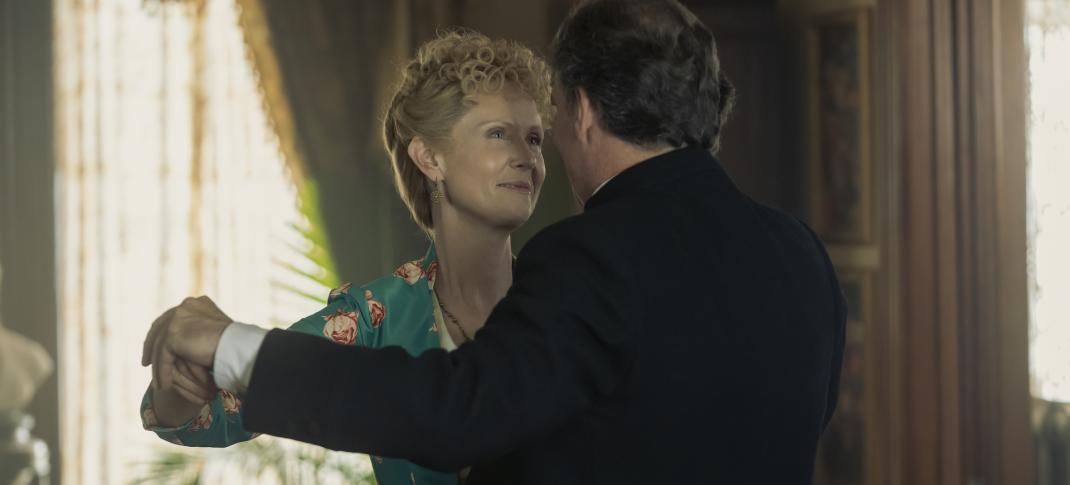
615	226
637	208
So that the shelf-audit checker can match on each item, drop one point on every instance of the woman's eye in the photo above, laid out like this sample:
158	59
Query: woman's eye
499	134
535	140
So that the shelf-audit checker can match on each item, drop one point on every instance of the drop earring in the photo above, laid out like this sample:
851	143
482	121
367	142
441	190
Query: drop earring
437	195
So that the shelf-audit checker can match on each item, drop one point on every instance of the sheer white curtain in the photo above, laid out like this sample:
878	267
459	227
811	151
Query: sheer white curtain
169	183
1048	38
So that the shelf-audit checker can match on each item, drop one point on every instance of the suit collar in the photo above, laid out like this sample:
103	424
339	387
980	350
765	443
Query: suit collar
653	171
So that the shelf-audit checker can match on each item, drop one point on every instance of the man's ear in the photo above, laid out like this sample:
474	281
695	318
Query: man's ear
424	156
586	119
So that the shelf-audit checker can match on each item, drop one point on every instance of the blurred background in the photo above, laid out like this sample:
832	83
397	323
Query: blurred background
154	149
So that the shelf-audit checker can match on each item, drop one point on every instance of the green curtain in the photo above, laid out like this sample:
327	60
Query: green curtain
327	69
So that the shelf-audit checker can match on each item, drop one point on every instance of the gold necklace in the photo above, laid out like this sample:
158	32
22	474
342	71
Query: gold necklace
453	318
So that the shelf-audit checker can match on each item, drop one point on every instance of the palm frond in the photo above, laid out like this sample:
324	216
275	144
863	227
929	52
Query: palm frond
314	248
288	462
265	458
320	297
172	465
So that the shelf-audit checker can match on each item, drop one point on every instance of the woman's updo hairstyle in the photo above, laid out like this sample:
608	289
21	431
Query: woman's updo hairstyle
437	88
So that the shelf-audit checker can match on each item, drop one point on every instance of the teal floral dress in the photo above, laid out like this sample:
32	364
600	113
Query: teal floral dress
399	309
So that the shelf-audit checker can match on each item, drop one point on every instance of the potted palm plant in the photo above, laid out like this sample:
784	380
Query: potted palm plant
270	459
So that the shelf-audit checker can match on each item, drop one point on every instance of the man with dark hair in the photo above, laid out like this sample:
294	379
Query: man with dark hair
674	332
651	70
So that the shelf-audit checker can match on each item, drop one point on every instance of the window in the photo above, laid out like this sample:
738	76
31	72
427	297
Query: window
1048	39
169	183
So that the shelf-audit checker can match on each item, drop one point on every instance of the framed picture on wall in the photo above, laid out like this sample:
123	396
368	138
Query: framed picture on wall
840	160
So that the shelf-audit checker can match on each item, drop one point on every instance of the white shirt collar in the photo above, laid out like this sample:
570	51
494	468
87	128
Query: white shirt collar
603	184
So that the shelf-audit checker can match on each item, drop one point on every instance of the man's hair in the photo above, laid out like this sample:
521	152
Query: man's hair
650	69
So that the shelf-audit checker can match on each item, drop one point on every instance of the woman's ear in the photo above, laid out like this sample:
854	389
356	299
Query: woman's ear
424	156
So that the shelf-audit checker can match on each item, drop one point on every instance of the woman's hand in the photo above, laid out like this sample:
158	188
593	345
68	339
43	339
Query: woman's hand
193	388
191	332
180	346
193	382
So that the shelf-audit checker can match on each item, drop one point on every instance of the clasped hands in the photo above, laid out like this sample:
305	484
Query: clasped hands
180	347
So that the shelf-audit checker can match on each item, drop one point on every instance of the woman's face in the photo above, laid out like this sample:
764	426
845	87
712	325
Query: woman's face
493	167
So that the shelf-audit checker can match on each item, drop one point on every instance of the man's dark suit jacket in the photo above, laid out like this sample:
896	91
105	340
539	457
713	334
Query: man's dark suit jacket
675	332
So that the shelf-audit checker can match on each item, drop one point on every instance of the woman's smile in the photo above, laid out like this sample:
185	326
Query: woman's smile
519	186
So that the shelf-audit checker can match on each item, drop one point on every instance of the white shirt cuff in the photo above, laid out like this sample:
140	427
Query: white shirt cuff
235	356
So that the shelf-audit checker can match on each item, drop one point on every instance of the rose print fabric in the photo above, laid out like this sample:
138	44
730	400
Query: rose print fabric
341	327
393	310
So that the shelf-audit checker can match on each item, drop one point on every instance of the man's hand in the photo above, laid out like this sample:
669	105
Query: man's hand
188	332
193	382
193	388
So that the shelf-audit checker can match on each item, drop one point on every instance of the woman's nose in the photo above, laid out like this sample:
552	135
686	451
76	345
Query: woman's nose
525	158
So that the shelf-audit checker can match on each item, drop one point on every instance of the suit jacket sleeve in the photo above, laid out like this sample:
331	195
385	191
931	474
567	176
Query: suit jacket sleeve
840	342
562	337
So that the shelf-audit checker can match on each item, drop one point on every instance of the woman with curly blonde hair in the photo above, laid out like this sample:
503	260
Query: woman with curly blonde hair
464	131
